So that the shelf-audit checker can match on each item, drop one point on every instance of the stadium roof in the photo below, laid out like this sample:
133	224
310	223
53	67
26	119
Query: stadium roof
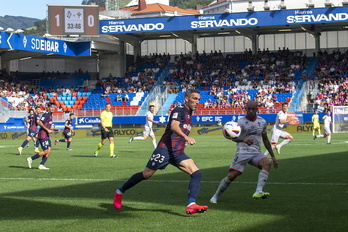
315	22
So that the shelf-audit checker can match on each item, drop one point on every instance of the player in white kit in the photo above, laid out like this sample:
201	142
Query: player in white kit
327	129
253	128
148	128
277	132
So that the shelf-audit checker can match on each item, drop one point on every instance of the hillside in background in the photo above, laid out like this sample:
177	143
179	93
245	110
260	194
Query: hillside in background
189	4
183	4
17	22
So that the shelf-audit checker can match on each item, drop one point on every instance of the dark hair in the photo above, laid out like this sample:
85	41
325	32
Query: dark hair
51	104
285	103
151	106
71	114
191	91
30	110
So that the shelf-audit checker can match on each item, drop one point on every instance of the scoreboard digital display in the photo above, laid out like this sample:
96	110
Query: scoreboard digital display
73	20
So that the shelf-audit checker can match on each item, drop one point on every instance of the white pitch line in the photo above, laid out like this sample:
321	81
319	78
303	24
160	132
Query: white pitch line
173	181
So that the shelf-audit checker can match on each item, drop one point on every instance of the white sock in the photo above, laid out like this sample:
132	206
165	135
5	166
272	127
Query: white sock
119	192
138	138
154	143
263	177
286	141
329	139
224	183
320	136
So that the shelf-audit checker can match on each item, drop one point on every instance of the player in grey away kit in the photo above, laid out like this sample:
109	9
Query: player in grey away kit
253	128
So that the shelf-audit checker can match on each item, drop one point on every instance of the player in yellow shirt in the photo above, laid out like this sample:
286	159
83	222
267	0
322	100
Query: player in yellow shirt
106	131
316	125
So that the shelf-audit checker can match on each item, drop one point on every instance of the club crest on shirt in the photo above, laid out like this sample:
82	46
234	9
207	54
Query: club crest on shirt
175	115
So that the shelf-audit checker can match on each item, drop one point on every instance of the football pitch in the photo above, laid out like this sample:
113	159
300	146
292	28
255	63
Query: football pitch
309	190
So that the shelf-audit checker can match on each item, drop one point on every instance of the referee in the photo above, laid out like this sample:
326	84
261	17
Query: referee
106	130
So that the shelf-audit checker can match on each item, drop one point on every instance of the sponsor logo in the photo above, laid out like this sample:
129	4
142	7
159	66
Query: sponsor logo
125	132
308	17
224	23
94	132
13	127
162	119
133	28
84	120
17	135
186	126
44	45
3	135
304	128
206	130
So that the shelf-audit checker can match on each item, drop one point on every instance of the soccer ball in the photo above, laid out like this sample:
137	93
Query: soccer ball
231	130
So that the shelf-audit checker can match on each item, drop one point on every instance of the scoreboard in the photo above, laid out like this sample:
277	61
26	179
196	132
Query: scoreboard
73	20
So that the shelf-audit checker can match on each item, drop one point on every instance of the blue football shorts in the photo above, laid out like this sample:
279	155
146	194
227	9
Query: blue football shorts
160	158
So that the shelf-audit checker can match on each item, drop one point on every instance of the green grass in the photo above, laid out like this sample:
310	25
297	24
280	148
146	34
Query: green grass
309	190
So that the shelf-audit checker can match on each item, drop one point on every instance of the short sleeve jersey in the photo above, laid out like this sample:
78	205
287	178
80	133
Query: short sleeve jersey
107	118
68	123
170	140
32	122
280	115
327	121
148	122
46	120
254	130
315	118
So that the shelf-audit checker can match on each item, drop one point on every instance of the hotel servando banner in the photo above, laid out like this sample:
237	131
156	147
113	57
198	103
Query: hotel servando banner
231	20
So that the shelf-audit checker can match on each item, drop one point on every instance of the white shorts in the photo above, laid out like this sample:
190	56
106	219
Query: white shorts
148	131
327	130
240	160
278	133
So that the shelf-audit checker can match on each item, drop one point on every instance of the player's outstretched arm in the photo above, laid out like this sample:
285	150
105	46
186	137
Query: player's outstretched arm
268	146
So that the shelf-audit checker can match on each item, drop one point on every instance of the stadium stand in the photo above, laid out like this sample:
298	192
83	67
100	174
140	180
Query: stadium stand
226	83
330	80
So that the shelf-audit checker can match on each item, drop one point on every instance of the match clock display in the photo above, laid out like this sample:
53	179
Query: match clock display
73	20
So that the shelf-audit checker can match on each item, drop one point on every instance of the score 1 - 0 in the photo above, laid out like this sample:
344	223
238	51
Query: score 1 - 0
66	20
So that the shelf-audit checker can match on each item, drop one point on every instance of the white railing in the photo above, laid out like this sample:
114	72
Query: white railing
157	96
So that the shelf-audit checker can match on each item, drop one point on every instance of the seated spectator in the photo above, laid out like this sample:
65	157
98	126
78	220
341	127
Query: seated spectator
119	97
126	98
105	94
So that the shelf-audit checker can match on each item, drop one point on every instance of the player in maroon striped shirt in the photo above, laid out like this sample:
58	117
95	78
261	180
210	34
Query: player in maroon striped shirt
46	129
171	150
31	122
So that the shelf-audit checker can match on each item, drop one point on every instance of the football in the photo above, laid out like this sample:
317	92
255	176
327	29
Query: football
231	130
